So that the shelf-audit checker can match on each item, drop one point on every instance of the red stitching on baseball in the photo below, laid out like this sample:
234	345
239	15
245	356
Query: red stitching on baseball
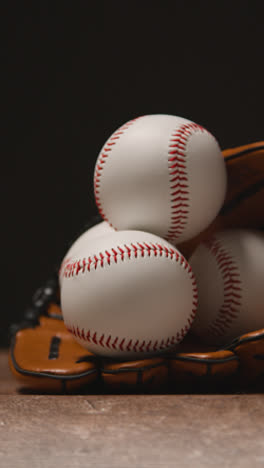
232	287
115	343
179	179
108	341
116	254
136	346
105	153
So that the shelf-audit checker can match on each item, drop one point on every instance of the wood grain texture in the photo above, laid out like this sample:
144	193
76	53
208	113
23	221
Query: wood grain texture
8	385
124	431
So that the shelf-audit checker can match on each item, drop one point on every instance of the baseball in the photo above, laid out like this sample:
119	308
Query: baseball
128	295
161	174
98	230
229	268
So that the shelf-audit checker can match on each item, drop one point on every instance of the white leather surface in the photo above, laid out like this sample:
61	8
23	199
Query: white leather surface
242	264
134	189
98	230
84	239
142	298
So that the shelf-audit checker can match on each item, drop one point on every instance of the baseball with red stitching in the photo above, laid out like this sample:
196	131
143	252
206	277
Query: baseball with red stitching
229	268
95	231
128	294
161	174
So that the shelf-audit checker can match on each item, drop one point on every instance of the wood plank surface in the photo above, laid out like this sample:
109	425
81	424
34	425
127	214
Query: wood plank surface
8	385
124	431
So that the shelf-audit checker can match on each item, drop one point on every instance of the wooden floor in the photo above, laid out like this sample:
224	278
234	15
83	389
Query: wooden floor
123	431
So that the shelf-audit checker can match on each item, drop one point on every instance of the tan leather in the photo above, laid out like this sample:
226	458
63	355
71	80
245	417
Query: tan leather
46	356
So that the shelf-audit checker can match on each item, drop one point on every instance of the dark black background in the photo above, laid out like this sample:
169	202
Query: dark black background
75	71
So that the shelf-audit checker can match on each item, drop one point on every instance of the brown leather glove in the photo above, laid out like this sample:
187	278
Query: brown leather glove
45	357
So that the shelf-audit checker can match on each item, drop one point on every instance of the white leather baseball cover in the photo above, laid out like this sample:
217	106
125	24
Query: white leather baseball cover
161	174
98	230
128	294
229	268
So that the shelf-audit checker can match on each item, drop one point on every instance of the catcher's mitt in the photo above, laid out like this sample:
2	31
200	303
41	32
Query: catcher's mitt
45	357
